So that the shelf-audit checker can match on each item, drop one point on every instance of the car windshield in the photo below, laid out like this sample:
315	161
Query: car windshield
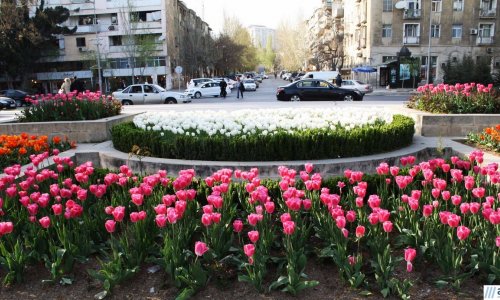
248	81
359	82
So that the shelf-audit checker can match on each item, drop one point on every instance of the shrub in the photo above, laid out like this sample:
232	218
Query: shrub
70	107
297	145
456	99
488	139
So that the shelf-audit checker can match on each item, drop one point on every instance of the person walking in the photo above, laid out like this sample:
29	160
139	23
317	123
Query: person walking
65	87
223	86
338	80
241	88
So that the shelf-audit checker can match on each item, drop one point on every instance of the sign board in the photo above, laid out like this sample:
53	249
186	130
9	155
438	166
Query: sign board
178	69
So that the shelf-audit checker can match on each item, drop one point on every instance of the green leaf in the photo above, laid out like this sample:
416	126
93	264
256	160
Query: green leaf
385	292
66	281
244	278
441	283
185	294
306	284
101	295
281	281
365	293
491	278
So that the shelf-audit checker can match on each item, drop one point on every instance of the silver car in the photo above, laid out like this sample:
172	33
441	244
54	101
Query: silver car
149	94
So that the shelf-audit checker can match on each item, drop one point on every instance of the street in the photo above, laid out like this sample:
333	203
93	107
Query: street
264	97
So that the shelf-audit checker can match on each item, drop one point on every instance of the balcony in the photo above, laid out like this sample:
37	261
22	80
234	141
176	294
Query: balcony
484	40
487	13
328	4
411	40
412	14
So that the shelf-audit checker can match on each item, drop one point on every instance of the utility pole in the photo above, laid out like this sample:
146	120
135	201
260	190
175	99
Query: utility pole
97	46
429	46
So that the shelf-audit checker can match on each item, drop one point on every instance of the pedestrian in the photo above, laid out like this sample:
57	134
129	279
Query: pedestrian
241	88
338	80
223	86
275	75
65	87
77	85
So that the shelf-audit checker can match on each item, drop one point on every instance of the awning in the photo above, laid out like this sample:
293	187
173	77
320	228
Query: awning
364	69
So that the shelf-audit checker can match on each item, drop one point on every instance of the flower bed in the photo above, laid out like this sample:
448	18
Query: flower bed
265	135
71	107
489	139
412	215
465	98
18	148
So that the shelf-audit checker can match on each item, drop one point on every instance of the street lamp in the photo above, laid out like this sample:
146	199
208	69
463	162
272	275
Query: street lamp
429	46
97	46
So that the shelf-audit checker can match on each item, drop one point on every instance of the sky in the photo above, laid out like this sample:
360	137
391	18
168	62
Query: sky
252	12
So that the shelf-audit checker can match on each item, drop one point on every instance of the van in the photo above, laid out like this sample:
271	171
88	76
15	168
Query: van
325	75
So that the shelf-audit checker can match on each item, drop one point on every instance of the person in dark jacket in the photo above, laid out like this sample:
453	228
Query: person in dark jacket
241	88
338	80
223	85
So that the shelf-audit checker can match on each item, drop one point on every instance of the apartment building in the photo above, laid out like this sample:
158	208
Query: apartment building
260	35
127	40
374	32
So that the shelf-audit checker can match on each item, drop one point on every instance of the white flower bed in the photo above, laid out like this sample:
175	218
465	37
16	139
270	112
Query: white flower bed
258	121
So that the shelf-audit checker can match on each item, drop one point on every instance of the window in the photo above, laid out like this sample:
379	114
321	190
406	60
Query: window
87	20
80	42
435	31
458	5
389	58
114	19
387	5
485	30
386	30
433	60
436	6
456	31
145	16
411	33
148	89
115	40
136	89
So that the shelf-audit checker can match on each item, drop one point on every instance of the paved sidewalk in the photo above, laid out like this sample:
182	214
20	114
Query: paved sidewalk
386	92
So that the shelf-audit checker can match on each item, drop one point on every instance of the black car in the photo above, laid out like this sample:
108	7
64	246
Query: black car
17	95
7	103
316	89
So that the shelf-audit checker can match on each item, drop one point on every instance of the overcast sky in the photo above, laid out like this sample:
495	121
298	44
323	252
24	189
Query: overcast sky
252	12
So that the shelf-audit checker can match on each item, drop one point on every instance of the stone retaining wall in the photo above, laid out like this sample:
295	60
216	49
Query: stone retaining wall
452	125
80	131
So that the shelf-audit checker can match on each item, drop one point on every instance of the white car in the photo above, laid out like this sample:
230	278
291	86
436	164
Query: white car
149	94
250	85
230	83
357	85
196	82
206	89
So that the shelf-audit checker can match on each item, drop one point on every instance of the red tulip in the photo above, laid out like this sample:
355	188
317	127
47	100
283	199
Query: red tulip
410	254
110	226
288	227
237	225
200	248
463	232
249	249
44	222
253	236
360	231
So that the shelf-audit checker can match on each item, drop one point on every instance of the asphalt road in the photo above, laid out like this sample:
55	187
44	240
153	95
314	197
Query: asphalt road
264	97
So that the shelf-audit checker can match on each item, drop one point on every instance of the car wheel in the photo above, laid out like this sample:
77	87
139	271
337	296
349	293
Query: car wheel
127	102
348	98
170	101
197	95
19	103
295	98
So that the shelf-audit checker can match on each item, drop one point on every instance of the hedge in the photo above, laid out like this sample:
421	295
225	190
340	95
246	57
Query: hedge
308	144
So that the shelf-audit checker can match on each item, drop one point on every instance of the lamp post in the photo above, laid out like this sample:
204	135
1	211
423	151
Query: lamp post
429	46
97	46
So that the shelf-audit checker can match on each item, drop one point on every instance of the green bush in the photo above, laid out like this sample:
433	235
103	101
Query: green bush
72	108
308	144
466	98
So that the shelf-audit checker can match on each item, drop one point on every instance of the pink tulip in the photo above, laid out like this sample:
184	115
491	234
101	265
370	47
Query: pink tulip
285	217
427	210
110	226
249	249
350	216
463	232
6	227
200	248
269	207
307	204
352	260
57	209
410	254
161	220
309	167
497	241
216	217
253	219
206	220
409	267
44	222
237	225
474	207
340	222
288	227
360	231
119	213
253	236
453	220
387	226
345	232
172	215
373	218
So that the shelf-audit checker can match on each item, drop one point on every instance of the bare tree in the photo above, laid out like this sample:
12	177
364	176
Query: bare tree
292	49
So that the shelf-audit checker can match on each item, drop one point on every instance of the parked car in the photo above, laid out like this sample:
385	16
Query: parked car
149	94
230	83
257	78
286	76
357	85
296	77
206	89
250	85
197	81
316	89
18	96
325	75
265	76
7	103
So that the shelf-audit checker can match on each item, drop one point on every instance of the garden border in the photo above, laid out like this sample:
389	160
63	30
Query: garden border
91	131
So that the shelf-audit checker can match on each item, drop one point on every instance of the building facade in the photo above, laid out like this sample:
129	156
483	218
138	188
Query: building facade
260	35
127	41
432	30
